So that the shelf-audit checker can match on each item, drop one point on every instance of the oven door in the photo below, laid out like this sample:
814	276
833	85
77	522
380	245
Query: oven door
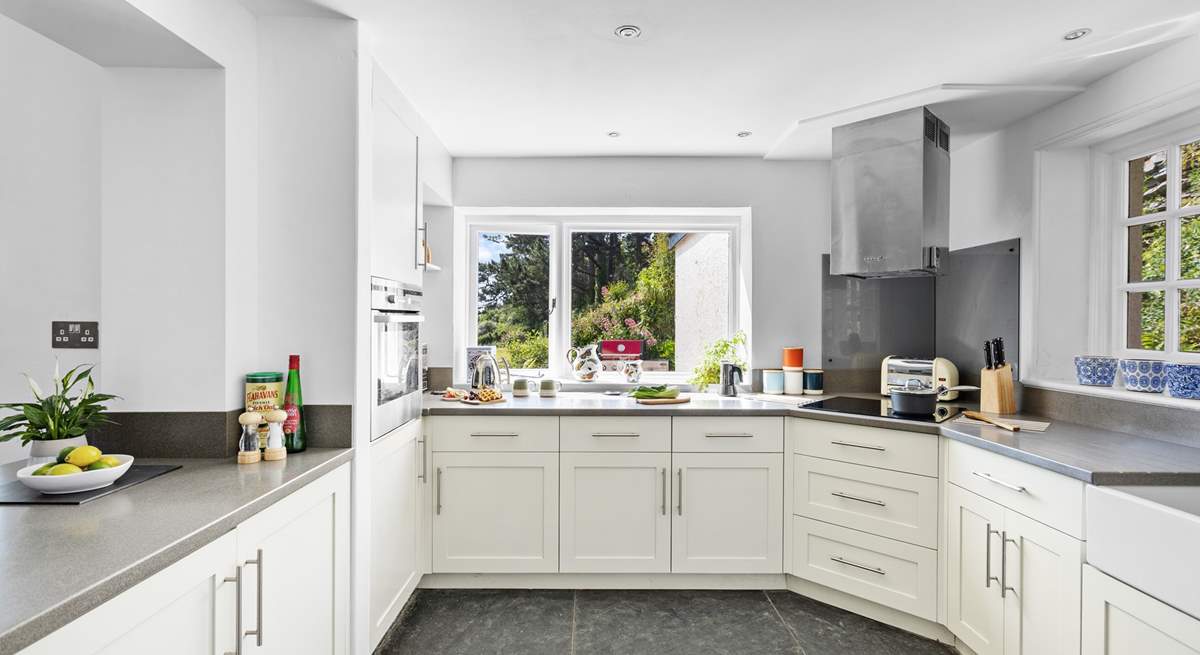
395	370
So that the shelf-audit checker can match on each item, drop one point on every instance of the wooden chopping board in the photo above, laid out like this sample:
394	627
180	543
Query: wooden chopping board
664	401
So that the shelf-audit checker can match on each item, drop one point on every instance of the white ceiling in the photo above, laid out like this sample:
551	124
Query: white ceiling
548	77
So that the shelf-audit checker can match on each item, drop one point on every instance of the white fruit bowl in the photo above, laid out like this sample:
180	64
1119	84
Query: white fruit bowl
76	482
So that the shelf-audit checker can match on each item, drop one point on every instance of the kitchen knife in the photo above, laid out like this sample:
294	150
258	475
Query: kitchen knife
989	363
998	351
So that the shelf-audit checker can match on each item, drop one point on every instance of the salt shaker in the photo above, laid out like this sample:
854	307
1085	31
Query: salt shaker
248	444
275	448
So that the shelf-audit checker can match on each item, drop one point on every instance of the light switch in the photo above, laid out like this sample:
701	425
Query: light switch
75	334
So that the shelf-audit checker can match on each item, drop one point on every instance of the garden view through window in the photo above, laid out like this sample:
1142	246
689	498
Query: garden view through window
659	297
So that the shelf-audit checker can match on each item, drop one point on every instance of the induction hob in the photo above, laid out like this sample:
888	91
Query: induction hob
881	407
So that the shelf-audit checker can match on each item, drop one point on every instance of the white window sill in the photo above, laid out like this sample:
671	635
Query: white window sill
1117	393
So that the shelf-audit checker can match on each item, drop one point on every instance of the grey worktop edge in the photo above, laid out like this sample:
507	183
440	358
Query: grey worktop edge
28	632
1025	456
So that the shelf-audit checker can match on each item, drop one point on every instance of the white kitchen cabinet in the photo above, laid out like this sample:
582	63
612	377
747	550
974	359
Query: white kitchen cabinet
395	207
615	514
495	512
1041	568
728	514
297	554
1120	620
974	608
395	526
187	608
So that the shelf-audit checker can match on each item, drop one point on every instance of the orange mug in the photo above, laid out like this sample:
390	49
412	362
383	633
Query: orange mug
793	358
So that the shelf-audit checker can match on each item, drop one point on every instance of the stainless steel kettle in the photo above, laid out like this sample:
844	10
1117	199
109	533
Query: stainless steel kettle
731	375
487	373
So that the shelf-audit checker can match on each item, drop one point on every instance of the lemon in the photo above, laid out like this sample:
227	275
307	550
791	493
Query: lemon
64	469
111	461
62	454
84	456
98	464
44	469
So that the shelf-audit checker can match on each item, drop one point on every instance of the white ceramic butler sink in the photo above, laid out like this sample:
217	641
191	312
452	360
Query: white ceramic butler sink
1149	538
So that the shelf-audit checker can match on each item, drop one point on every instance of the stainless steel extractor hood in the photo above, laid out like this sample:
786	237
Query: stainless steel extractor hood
891	195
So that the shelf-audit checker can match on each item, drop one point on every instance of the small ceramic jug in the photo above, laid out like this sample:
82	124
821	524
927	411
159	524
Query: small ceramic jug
632	371
585	362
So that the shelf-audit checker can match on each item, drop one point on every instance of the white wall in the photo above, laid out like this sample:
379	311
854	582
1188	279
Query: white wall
307	201
1034	180
49	206
789	202
701	296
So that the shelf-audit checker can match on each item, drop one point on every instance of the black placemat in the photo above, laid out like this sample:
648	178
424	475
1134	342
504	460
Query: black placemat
15	493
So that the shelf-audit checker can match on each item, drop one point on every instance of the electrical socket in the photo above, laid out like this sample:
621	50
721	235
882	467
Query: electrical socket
74	334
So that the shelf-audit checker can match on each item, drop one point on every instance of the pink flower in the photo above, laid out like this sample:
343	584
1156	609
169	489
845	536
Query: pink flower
651	342
604	292
630	323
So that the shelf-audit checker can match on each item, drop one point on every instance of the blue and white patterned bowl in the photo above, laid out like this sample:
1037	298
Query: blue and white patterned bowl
1096	370
1148	375
1183	380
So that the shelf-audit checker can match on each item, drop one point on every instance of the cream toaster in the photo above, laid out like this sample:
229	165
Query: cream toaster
931	373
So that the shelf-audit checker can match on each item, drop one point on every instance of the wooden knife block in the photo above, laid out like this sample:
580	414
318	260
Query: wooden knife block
996	390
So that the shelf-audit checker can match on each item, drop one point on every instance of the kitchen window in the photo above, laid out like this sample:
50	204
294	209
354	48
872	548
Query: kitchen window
1158	250
654	285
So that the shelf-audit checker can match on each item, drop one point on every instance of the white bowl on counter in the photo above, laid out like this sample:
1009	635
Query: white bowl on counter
76	482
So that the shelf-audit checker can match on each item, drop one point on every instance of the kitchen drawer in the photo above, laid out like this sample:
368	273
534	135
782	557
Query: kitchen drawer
494	433
882	570
891	504
712	434
1053	499
616	434
898	450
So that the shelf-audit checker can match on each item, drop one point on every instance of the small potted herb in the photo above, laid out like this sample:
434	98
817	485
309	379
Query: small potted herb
54	421
708	371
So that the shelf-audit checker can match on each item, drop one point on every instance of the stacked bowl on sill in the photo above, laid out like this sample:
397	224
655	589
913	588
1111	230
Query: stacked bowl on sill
1143	375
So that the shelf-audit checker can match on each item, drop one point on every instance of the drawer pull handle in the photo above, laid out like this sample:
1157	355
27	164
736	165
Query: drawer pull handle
1004	542
987	559
615	434
257	632
494	434
872	569
864	446
731	435
237	621
869	501
437	492
1007	485
680	506
664	492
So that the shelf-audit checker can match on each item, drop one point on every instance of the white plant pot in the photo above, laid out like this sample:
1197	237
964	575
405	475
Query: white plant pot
42	452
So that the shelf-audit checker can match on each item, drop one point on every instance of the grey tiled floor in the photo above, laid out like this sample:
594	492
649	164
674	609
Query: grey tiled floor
587	622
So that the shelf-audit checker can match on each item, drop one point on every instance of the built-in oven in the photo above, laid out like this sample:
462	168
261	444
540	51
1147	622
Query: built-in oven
395	354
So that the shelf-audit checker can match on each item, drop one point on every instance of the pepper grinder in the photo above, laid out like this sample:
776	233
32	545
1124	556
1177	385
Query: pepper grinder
275	448
248	444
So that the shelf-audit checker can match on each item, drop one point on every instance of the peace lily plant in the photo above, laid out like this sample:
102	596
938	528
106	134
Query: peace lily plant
54	421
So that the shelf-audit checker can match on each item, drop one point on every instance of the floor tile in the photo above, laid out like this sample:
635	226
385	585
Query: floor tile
826	630
478	621
678	622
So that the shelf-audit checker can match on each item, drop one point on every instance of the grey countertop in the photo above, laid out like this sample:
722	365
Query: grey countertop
60	561
1094	455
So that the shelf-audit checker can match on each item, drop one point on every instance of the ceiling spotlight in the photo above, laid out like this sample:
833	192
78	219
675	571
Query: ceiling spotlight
613	135
628	31
1077	34
744	133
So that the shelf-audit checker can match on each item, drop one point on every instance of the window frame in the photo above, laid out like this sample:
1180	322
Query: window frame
560	224
1173	216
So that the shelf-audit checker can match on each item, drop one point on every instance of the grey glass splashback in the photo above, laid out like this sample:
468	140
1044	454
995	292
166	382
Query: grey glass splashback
979	298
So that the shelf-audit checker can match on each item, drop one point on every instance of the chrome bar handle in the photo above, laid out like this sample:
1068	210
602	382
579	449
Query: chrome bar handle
495	434
987	559
1007	485
872	569
664	492
719	435
679	506
870	501
864	446
257	632
437	492
237	620
424	451
615	434
1004	542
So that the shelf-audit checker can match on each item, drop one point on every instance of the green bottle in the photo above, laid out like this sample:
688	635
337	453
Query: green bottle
295	436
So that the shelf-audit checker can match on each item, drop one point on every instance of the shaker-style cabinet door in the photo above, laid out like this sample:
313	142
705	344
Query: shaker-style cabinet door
297	553
394	189
187	608
974	607
615	514
1041	570
728	513
395	543
495	512
1120	620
